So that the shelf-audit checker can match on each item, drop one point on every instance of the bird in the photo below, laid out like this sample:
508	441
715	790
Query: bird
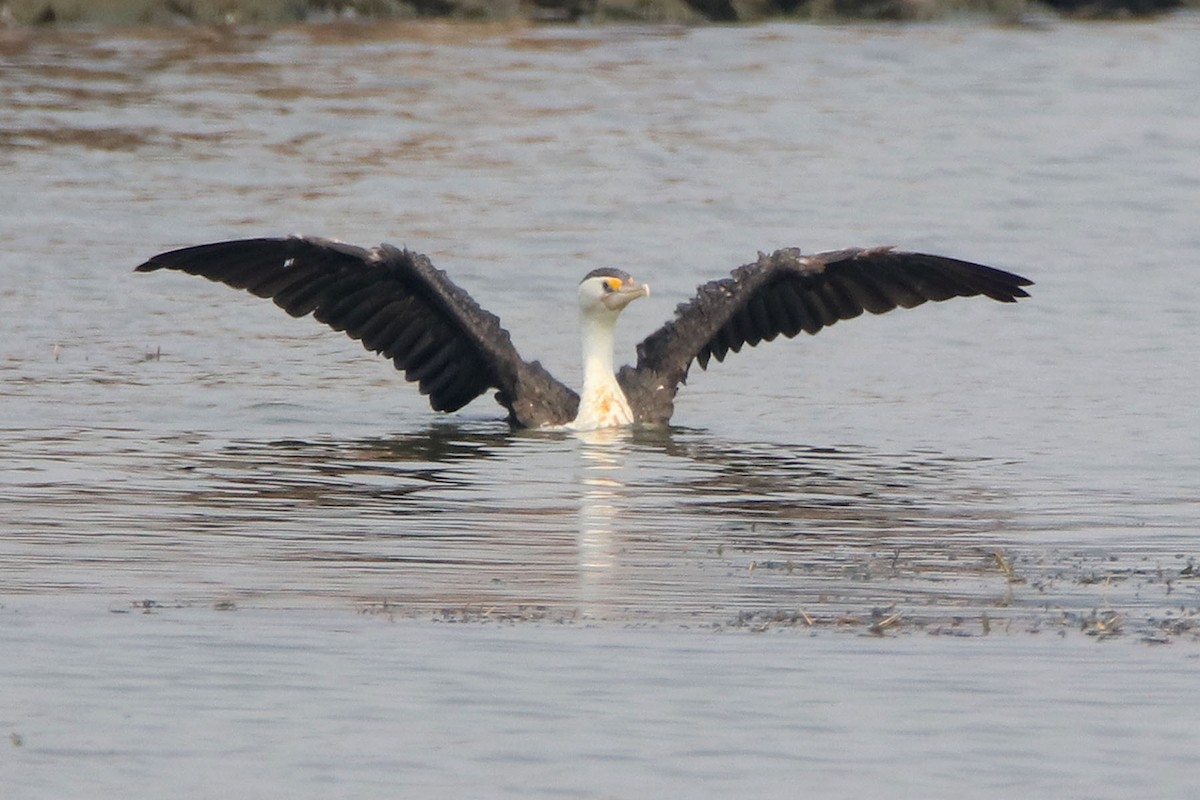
397	304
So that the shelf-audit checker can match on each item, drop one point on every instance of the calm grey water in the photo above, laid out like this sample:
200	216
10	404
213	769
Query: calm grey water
231	542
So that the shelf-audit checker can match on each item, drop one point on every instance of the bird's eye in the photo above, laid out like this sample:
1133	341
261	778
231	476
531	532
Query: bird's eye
608	287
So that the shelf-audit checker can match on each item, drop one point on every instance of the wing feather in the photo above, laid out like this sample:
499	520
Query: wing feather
398	305
787	320
762	324
785	293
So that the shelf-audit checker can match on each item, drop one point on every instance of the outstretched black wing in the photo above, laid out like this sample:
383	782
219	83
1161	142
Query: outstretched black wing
786	293
397	304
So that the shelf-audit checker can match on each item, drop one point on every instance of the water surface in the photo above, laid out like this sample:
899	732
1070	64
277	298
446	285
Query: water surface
252	488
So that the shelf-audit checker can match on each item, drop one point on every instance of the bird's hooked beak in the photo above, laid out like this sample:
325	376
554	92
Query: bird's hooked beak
624	293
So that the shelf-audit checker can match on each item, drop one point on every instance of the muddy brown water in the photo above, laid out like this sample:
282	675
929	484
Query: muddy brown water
211	512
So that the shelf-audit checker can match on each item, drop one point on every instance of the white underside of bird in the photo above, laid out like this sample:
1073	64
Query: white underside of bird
602	403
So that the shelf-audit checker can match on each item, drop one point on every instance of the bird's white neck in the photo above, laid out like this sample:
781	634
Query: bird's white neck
602	404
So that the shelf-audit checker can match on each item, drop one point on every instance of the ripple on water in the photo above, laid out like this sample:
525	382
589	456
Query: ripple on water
677	527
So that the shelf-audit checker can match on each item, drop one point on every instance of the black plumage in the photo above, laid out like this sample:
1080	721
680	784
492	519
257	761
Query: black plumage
397	304
788	292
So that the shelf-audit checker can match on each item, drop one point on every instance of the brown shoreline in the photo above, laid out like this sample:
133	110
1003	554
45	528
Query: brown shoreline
279	12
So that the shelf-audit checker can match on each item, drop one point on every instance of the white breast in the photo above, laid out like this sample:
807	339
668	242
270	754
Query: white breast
604	406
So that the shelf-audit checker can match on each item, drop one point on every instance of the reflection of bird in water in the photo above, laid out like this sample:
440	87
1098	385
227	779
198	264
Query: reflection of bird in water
397	304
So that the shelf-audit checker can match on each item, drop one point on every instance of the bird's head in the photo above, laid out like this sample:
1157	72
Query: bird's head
606	292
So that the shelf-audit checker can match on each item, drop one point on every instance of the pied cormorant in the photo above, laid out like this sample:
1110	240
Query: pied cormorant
397	304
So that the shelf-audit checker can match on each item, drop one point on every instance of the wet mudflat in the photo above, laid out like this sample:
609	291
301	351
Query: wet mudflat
211	512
